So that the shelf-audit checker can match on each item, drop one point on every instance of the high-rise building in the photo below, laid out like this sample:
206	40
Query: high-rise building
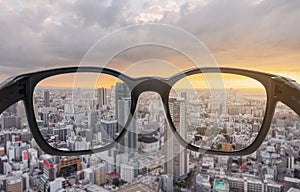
14	184
3	159
110	165
121	91
26	181
127	173
78	143
69	108
100	174
129	141
9	121
33	154
7	168
62	132
47	98
108	128
253	185
49	169
202	183
291	162
25	158
234	109
177	156
11	153
273	187
89	175
57	184
92	120
101	97
167	183
68	165
148	143
120	158
49	174
290	182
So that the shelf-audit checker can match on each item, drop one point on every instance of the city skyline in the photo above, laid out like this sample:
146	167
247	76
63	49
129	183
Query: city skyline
90	121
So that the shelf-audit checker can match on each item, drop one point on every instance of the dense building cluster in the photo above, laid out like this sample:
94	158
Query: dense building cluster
148	156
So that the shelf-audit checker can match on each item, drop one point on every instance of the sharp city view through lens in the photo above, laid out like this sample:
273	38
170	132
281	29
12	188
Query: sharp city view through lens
220	115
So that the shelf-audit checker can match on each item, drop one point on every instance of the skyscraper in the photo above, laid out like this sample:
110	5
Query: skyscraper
14	184
177	156
92	120
9	121
121	91
127	173
47	98
129	142
108	128
49	174
101	97
100	174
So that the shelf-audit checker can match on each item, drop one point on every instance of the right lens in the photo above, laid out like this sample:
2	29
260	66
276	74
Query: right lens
79	111
218	111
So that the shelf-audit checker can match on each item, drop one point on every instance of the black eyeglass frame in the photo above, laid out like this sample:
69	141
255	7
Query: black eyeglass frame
277	88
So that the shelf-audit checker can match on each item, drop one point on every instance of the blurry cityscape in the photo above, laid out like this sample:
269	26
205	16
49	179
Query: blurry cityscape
148	158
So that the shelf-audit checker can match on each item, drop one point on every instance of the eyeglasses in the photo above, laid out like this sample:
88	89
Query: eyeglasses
227	117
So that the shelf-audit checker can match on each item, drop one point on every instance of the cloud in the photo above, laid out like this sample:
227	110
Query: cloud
241	30
45	34
239	33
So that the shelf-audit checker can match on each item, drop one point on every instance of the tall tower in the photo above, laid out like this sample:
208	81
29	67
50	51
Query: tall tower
14	183
101	97
49	174
177	156
92	120
47	98
121	91
129	142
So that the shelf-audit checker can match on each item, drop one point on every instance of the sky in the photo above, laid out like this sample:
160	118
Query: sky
261	34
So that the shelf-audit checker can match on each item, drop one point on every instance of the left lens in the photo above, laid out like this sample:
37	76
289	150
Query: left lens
218	111
79	111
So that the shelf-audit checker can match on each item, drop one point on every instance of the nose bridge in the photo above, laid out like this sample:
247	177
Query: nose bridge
153	85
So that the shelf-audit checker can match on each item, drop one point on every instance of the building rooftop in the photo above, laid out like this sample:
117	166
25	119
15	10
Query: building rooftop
95	188
114	175
292	189
290	179
108	121
136	187
147	139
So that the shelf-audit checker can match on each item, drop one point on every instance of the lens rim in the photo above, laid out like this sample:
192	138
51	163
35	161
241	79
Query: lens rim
35	78
263	78
88	77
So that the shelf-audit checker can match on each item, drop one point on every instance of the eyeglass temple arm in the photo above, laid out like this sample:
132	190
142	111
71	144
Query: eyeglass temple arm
11	91
287	91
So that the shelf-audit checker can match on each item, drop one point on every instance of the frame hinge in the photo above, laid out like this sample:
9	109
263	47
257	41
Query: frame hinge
279	82
286	89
